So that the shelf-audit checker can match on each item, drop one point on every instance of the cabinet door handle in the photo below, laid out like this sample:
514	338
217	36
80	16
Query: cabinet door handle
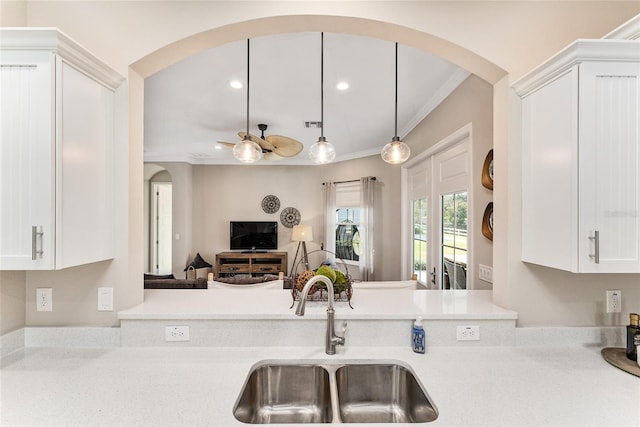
596	239
36	231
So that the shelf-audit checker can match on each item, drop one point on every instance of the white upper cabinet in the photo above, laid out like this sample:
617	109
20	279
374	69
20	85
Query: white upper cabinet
56	152
581	159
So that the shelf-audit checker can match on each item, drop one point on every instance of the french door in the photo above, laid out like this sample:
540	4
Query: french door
437	221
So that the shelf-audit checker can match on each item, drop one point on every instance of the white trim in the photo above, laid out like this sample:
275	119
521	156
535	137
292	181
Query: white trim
454	138
630	30
11	342
452	83
579	51
54	40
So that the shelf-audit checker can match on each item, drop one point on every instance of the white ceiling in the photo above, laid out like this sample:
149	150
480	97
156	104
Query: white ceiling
190	105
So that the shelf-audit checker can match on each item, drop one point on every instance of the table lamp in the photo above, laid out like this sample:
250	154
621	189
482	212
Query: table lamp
302	234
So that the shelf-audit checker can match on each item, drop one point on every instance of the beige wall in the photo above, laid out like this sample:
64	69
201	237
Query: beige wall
12	300
514	36
471	102
225	193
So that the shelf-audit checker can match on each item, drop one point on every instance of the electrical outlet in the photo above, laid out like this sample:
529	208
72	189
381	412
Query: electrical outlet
614	301
44	299
485	272
468	333
105	299
176	333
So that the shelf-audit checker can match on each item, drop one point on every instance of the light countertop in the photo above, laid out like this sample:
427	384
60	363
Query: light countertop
275	304
188	386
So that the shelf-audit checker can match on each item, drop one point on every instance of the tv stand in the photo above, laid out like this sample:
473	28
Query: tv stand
251	263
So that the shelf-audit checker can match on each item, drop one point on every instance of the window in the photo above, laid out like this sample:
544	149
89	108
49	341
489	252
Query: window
420	239
454	240
347	221
348	233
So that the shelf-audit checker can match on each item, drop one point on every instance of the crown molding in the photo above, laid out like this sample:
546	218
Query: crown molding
52	39
630	30
579	51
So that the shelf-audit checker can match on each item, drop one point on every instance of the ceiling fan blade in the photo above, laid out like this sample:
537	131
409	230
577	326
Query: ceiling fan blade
265	145
272	156
284	146
227	144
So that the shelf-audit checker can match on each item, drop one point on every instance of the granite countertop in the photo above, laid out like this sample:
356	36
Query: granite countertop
188	386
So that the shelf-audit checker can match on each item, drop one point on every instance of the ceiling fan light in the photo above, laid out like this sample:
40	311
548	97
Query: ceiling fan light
247	151
322	152
395	152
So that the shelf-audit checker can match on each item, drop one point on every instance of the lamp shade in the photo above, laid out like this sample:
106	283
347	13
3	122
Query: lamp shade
302	233
396	152
247	151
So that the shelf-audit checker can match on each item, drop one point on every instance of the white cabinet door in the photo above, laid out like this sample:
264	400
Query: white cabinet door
27	160
84	208
581	159
609	167
550	173
56	157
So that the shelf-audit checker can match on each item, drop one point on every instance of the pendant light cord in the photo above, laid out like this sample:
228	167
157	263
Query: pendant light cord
321	84
247	136
396	106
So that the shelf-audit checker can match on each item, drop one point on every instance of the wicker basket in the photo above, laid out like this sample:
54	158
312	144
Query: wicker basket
319	293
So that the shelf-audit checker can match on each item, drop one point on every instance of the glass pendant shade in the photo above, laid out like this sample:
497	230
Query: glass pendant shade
247	151
396	151
322	151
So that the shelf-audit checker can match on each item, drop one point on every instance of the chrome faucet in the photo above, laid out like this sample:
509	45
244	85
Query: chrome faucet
331	339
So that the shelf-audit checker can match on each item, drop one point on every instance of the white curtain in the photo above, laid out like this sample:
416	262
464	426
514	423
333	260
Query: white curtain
330	218
367	252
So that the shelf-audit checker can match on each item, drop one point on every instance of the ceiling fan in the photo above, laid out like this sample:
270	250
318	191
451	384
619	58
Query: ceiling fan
274	147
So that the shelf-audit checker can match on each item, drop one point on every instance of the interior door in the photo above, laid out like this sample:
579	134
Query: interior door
161	229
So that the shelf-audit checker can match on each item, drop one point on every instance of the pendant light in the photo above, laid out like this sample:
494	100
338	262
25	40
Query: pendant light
246	150
396	151
322	151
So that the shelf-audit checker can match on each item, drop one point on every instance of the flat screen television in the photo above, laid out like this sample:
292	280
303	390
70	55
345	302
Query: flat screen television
253	235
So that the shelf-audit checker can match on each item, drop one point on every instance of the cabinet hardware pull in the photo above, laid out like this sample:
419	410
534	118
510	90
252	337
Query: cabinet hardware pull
596	239
36	231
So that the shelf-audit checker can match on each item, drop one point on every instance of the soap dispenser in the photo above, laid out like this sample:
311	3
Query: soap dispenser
418	336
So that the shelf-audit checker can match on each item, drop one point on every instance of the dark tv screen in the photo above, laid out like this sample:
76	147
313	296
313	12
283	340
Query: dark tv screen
253	235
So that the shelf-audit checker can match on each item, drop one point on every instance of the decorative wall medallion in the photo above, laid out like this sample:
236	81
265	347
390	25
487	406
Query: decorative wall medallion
290	217
487	171
270	204
487	222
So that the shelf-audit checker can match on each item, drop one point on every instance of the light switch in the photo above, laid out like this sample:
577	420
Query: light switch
105	299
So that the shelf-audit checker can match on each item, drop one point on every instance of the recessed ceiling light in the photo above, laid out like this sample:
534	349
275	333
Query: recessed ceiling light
236	84
217	147
342	86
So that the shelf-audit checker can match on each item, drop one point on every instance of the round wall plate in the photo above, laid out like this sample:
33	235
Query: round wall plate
270	204
290	217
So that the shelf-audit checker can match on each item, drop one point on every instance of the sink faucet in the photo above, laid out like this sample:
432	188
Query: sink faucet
331	339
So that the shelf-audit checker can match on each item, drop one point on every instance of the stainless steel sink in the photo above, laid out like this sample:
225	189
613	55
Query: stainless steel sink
382	393
285	393
353	391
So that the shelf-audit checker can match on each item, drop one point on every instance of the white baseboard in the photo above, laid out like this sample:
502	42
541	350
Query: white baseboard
11	342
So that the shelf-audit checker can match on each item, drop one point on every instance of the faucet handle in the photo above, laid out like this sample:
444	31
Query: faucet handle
343	329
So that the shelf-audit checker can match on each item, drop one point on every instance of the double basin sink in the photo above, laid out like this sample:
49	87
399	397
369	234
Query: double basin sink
333	392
